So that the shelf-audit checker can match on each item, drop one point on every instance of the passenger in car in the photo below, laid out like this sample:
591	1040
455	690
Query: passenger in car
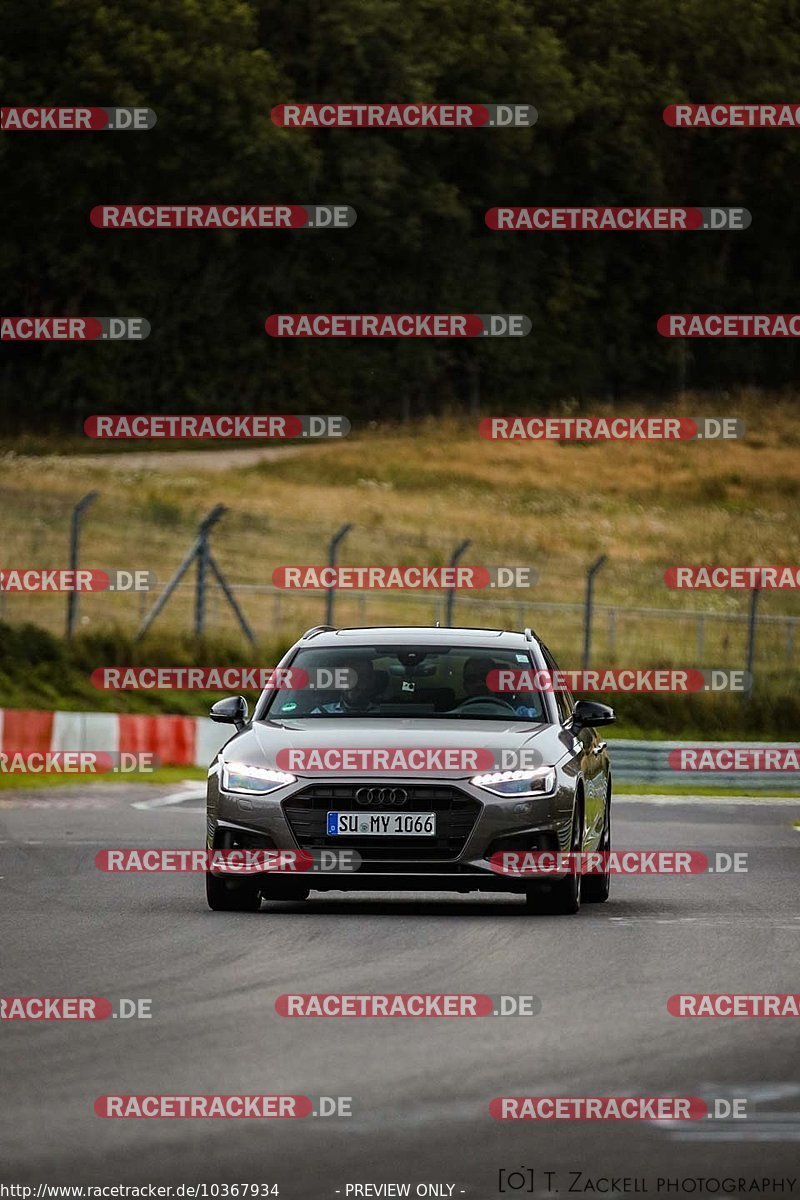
476	672
365	694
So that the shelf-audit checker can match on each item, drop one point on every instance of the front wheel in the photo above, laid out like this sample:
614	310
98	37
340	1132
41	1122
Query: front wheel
229	895
563	897
597	887
284	889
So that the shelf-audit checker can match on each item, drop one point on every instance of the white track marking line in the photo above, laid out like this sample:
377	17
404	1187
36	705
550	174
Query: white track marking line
191	792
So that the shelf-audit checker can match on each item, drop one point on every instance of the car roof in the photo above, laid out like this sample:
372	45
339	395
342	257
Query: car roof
409	635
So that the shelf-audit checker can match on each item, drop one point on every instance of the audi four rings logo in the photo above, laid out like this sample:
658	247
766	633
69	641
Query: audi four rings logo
383	795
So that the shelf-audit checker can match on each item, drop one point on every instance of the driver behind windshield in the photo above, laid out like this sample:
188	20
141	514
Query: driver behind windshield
476	672
364	695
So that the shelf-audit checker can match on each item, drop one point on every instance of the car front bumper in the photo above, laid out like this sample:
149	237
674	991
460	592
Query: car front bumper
472	825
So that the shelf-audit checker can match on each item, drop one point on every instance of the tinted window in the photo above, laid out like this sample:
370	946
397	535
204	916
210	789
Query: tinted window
447	682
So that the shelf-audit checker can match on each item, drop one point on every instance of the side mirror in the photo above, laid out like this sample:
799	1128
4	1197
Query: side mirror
591	713
230	711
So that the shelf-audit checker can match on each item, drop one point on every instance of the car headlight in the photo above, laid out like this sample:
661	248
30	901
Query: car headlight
255	781
517	783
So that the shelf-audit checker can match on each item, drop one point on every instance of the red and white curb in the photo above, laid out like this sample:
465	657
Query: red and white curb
174	741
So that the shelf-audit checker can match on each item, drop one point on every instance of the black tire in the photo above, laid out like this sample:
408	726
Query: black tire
563	896
284	889
596	887
224	895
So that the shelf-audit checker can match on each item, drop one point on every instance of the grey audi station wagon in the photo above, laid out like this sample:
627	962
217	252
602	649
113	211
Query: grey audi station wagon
417	763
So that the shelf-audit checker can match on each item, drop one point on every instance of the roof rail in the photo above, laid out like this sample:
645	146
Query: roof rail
315	629
529	634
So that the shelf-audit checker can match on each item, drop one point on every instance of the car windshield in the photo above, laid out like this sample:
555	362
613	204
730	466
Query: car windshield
447	683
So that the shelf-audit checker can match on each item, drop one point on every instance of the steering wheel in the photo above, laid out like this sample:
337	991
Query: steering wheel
472	700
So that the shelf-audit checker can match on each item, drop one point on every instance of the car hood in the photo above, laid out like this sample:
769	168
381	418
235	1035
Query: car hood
258	745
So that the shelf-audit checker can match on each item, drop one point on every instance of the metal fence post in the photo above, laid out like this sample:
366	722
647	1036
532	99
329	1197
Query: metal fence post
74	546
200	586
333	554
451	592
588	604
202	554
751	634
229	596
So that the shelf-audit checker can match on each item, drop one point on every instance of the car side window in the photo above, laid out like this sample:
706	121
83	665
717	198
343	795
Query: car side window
564	700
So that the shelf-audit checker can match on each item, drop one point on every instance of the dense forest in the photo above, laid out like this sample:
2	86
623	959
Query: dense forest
599	73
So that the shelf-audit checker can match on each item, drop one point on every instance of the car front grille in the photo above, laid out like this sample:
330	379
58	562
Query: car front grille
456	814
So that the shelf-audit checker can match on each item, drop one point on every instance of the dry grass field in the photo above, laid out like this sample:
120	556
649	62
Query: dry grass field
412	493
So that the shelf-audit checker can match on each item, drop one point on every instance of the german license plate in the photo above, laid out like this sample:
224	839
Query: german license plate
344	824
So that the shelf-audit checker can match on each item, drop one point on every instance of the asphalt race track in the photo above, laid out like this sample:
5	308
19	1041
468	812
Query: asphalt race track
420	1088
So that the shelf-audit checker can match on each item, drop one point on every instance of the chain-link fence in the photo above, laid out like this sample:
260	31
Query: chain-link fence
633	618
